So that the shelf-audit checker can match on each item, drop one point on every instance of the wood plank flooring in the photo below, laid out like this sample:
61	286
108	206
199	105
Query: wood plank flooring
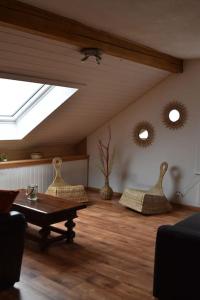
111	259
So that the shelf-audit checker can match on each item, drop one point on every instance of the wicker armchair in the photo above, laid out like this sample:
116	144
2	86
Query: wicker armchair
148	202
60	189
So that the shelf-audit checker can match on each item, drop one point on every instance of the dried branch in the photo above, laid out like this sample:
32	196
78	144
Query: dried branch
102	159
106	160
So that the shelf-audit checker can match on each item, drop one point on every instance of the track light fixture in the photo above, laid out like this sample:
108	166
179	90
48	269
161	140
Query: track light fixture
87	52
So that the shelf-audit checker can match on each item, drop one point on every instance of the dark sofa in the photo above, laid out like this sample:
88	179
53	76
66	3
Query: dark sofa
12	230
177	261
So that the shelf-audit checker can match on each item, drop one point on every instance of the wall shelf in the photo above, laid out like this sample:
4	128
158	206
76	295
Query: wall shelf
32	162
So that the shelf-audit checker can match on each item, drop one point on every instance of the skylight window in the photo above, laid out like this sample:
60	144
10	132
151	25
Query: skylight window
24	105
14	94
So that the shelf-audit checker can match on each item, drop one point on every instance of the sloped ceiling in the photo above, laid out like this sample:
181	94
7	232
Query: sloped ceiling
170	26
104	90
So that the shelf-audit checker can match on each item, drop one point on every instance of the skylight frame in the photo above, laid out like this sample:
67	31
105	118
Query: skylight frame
24	104
15	94
37	96
47	98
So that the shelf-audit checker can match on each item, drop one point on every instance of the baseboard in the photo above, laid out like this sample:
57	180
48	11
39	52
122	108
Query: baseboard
94	189
117	194
190	207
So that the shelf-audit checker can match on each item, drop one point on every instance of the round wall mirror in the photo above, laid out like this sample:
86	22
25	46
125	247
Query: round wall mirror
143	134
174	115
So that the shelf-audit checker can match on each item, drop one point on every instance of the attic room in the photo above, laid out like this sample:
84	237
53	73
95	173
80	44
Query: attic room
99	149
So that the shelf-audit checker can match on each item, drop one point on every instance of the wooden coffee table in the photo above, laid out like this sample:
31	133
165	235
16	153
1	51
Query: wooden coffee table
45	212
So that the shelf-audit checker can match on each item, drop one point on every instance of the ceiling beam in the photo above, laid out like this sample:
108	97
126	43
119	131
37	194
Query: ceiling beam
40	22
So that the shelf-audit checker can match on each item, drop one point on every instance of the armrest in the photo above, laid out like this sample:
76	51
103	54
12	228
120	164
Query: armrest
12	229
177	259
177	233
12	221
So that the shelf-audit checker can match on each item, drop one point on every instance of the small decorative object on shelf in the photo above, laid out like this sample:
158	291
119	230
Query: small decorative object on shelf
36	155
31	192
106	162
3	157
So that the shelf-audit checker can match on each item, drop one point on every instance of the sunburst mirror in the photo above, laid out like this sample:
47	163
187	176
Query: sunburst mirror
143	134
174	115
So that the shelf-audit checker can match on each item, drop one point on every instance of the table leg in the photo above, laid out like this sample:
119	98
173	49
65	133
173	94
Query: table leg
70	234
44	233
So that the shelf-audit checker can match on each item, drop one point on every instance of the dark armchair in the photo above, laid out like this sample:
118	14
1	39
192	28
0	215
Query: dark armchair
177	261
12	230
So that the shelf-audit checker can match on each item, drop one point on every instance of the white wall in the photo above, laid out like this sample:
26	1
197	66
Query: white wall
138	167
73	172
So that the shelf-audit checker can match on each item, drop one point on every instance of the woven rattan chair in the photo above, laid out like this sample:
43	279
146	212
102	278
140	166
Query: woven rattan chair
60	189
148	202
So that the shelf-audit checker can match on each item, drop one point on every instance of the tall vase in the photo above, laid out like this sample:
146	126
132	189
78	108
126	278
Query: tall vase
106	192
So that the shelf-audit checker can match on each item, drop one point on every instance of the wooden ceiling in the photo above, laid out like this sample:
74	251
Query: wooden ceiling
28	18
169	26
104	90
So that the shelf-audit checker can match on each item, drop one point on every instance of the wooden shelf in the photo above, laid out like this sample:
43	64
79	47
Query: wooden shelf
31	162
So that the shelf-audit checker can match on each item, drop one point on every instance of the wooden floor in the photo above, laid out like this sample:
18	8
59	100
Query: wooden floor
111	259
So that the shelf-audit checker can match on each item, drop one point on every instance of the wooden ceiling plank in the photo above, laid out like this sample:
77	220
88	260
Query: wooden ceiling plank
33	20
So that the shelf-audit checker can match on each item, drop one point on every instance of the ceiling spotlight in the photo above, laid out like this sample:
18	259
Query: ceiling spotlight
87	52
